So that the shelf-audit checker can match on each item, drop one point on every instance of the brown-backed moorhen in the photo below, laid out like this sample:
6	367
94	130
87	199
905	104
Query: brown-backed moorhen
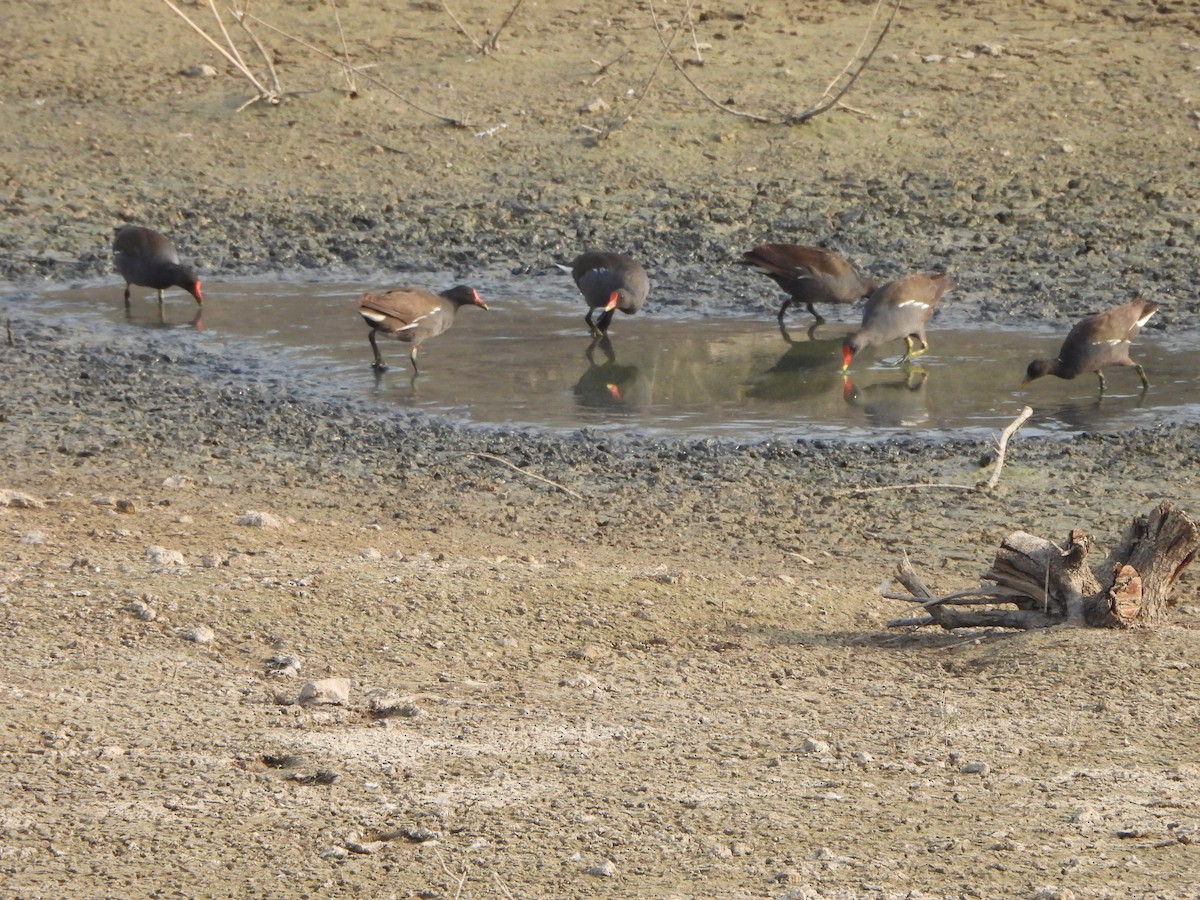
809	275
609	281
413	315
1096	342
899	309
146	258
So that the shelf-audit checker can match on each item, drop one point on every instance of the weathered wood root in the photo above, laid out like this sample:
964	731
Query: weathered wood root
1051	585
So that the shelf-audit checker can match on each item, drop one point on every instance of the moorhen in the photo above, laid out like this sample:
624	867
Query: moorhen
413	316
146	258
899	309
809	275
608	281
1096	342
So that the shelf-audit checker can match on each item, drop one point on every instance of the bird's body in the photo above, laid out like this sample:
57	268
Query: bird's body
412	315
144	257
899	309
809	275
1097	342
609	281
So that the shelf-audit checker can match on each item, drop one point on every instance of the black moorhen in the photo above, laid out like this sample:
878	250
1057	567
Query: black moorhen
1097	342
809	275
146	258
413	316
609	281
899	309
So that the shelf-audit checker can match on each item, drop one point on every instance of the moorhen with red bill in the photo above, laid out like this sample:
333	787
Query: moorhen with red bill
809	275
144	257
413	316
899	309
1096	342
608	281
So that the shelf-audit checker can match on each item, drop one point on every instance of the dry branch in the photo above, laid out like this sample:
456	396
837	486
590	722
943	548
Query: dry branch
1052	585
826	102
505	462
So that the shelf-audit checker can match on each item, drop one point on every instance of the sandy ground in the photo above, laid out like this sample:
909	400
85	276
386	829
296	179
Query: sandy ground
675	680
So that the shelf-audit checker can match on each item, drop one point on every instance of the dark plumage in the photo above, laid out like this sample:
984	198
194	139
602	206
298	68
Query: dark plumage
1097	342
609	281
899	309
146	258
809	275
413	315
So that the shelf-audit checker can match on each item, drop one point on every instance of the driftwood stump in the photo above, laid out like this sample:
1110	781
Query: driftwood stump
1052	585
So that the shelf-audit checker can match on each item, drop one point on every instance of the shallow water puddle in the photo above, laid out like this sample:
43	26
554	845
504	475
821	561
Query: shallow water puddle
530	361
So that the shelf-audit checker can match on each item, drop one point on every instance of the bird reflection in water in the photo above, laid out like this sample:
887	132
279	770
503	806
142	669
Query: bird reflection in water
891	404
197	322
803	370
608	386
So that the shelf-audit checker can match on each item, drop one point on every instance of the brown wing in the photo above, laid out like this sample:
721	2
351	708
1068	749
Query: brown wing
403	313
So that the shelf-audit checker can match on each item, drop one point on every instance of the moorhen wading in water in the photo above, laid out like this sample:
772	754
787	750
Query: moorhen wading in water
413	316
899	309
608	281
1096	342
809	275
146	258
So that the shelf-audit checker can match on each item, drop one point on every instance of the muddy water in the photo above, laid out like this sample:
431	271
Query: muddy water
530	361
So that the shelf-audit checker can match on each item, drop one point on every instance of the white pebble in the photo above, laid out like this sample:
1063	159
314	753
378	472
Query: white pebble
201	634
605	869
161	556
327	691
812	745
260	520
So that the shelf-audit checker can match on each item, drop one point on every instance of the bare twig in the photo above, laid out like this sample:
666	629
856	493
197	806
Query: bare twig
688	78
8	335
449	120
800	118
491	43
231	55
1002	448
348	70
857	50
462	28
240	15
554	484
503	889
827	102
646	89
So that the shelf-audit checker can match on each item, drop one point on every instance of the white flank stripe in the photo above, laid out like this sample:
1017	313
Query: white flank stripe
913	303
372	316
1146	318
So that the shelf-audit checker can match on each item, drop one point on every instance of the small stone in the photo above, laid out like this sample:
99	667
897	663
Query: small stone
365	848
334	853
161	556
36	538
606	869
598	105
975	768
1054	893
578	681
259	520
812	745
932	58
385	704
201	70
327	691
176	481
370	553
125	506
142	610
201	634
284	664
18	500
